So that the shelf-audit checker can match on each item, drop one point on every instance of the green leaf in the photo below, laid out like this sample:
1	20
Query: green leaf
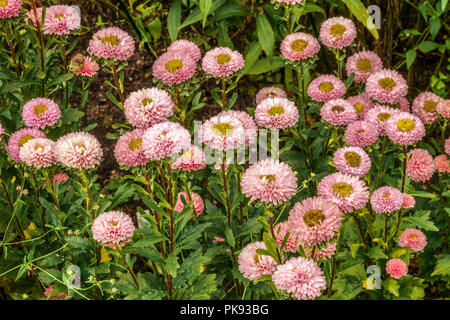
72	115
310	8
265	33
410	57
442	266
377	253
172	265
358	9
174	19
230	237
424	194
427	46
435	26
252	56
420	219
205	7
196	15
392	286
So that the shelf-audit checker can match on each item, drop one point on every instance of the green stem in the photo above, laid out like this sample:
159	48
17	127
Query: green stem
119	248
41	47
118	85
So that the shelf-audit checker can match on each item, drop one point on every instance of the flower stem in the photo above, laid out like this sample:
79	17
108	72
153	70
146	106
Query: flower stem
227	199
118	85
41	47
224	94
127	266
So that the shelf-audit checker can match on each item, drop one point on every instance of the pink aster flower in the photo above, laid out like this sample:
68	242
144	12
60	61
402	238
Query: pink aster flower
112	43
79	150
447	146
348	192
10	8
325	253
289	2
301	278
59	177
186	47
402	105
19	138
280	230
413	239
386	200
83	66
40	113
2	131
222	62
404	128
253	265
337	32
199	205
363	64
338	112
269	92
174	67
314	220
420	165
408	201
443	108
299	46
361	134
30	16
113	227
146	107
128	149
378	116
326	87
276	113
424	106
164	140
251	130
361	103
38	153
193	159
442	163
269	181
61	19
352	160
386	86
223	132
396	268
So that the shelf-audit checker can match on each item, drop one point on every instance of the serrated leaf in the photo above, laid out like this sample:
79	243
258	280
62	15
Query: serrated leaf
442	266
392	286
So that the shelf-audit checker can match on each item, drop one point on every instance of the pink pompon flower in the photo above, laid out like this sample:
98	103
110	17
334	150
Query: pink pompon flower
413	239
222	62
361	134
326	87
396	268
325	253
337	32
314	220
269	181
420	166
61	19
79	150
447	146
269	92
299	46
386	200
193	159
408	201
276	113
128	149
83	66
251	130
442	163
199	205
2	131
348	192
402	105
289	2
59	177
186	47
10	8
146	107
361	103
443	108
253	265
378	116
223	132
280	230
362	64
338	112
19	138
113	227
386	86
112	43
352	160
404	128
38	153
174	67
301	278
30	16
424	106
165	140
40	113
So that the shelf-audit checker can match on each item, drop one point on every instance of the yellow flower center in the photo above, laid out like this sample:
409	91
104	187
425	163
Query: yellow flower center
384	116
275	111
81	146
430	105
342	189
3	3
222	128
338	30
364	64
146	101
113	223
188	154
112	40
24	140
174	65
326	86
353	159
406	125
271	94
59	16
337	109
386	195
38	147
361	131
223	58
387	83
359	107
268	177
40	109
256	258
313	218
413	237
135	144
299	45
